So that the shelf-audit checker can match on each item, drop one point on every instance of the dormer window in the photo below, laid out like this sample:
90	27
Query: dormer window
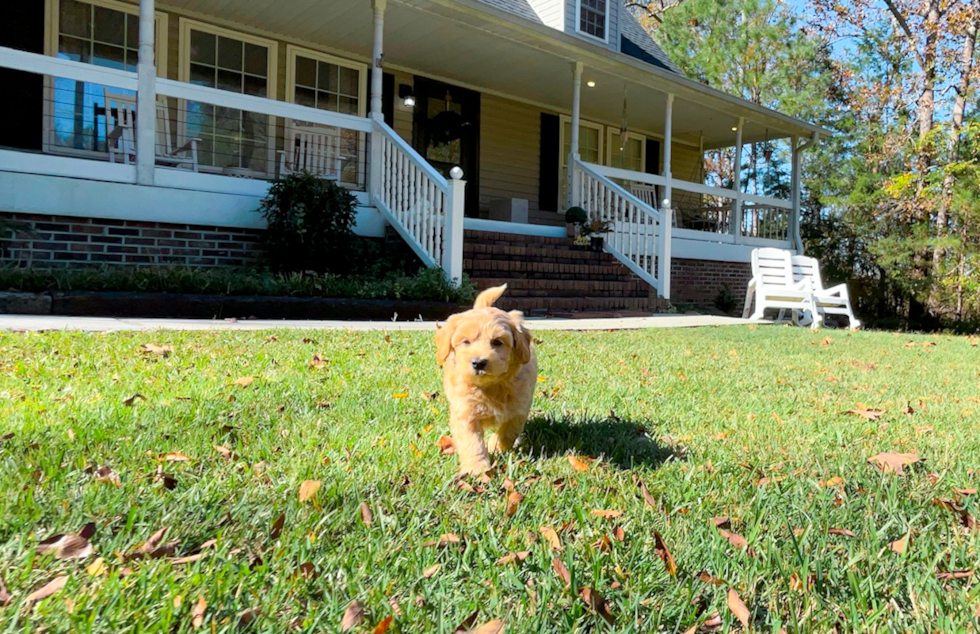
592	17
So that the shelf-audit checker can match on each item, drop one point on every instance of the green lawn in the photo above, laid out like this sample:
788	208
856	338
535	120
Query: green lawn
744	422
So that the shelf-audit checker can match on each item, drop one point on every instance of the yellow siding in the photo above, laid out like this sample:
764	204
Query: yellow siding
403	114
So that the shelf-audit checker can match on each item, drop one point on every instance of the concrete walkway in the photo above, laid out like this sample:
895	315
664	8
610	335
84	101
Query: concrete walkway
106	324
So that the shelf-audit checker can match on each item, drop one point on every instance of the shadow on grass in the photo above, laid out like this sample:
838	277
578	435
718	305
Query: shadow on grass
622	443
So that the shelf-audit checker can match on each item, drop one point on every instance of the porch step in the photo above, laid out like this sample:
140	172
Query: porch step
551	277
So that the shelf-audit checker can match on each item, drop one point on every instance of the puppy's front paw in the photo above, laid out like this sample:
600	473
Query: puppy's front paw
475	467
495	445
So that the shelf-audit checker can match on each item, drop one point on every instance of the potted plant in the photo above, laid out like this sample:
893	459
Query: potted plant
574	218
596	228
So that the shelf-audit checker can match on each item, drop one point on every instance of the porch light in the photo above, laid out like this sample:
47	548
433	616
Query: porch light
407	94
734	128
590	83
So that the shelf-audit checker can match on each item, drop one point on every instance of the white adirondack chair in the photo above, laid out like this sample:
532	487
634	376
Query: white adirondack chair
312	149
828	301
772	286
121	134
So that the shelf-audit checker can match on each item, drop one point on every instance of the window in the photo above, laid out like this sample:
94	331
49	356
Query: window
589	148
631	155
592	16
98	32
210	56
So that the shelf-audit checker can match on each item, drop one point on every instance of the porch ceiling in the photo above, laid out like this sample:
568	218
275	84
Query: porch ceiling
467	42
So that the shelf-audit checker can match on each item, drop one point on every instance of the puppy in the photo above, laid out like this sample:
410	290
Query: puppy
489	374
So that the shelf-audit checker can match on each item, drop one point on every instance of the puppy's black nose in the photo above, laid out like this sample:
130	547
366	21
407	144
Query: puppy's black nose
479	364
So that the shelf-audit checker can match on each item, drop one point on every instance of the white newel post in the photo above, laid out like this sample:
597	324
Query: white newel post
794	223
375	151
737	184
668	200
663	250
146	96
452	248
573	156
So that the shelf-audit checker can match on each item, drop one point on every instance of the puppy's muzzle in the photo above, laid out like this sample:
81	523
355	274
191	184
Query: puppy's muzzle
479	365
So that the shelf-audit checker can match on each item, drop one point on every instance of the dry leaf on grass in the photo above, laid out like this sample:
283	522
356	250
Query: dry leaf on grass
152	348
661	549
308	490
353	615
47	589
174	456
513	501
244	381
319	362
712	624
607	513
561	570
446	446
597	603
737	541
70	546
431	570
841	531
870	414
738	608
619	533
129	402
383	626
197	614
5	597
366	515
899	545
225	452
955	574
467	622
966	520
705	577
510	558
894	462
722	521
648	499
444	540
97	567
578	464
495	626
549	533
277	525
108	476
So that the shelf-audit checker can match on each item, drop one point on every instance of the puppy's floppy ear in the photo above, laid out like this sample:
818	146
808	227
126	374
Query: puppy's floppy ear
444	339
522	336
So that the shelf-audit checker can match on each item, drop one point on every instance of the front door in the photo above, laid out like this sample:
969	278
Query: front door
446	132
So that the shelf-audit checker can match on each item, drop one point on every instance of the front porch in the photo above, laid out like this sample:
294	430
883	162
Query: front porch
519	124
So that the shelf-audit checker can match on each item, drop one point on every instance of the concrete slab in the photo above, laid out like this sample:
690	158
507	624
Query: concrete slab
108	324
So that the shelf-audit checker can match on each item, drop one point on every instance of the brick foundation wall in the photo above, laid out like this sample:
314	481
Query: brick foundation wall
61	241
699	281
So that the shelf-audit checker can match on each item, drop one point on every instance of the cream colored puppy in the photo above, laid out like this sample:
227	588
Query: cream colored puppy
489	376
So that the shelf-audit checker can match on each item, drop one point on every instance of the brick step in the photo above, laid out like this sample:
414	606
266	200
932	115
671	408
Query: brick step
489	237
611	272
566	288
566	254
555	306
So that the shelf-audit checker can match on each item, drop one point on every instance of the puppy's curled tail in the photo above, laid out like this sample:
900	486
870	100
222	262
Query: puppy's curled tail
489	296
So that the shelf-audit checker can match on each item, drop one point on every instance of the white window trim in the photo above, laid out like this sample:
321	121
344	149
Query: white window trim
52	24
578	22
563	158
184	73
293	51
611	143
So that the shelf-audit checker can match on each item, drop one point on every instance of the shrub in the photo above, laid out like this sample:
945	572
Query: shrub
725	300
576	216
310	225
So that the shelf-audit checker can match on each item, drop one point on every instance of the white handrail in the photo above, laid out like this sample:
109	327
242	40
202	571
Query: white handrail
69	69
411	154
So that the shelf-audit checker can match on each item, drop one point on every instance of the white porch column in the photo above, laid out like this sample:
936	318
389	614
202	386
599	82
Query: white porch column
794	223
377	58
571	183
146	96
452	249
737	184
668	200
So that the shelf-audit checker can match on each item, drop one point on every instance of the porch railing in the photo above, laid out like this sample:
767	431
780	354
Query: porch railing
424	207
640	236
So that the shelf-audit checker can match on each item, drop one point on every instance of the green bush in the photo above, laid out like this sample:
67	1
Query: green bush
576	216
423	285
310	225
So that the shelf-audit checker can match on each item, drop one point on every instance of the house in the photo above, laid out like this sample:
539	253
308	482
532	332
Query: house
142	133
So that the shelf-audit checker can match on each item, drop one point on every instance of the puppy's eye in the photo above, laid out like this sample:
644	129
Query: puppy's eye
496	343
464	342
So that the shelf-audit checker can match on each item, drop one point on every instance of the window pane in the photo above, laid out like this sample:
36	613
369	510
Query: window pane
256	60
327	101
110	56
348	105
132	31
74	49
306	97
202	75
305	72
231	81
227	121
257	86
229	54
203	47
328	79
349	80
110	26
76	18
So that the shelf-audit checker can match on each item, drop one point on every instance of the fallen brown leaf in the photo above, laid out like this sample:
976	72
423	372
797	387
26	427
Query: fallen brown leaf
108	476
70	546
607	513
899	545
225	452
737	541
597	603
893	462
5	597
619	533
308	490
47	589
383	626
705	577
870	414
738	608
353	615
431	570
712	624
661	549
833	482
319	362
495	626
430	396
129	402
510	558
152	348
562	571
197	614
549	533
467	622
174	456
366	515
965	491
247	617
513	501
841	531
244	381
721	522
446	446
277	525
578	464
955	574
